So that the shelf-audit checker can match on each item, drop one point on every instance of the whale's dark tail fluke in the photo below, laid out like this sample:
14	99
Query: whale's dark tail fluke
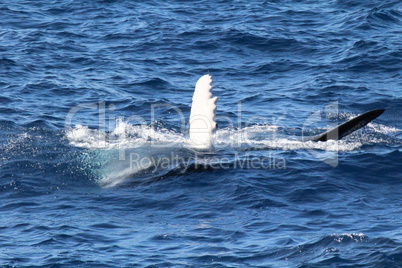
348	127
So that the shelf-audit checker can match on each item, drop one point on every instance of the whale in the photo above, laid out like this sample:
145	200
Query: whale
202	114
347	127
202	119
133	154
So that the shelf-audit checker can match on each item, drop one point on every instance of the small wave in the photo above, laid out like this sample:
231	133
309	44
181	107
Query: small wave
8	111
39	123
335	249
332	241
7	124
7	62
373	18
265	43
282	66
384	16
5	100
154	83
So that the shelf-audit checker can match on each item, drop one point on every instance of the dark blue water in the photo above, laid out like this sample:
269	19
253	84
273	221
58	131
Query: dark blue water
87	84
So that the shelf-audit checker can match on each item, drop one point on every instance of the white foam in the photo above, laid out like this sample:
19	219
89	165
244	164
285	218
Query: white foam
382	128
124	135
331	145
15	141
82	136
258	136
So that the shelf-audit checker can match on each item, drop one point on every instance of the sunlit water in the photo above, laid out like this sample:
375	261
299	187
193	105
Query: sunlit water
96	167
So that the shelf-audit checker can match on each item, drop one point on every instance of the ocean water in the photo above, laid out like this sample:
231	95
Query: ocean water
94	105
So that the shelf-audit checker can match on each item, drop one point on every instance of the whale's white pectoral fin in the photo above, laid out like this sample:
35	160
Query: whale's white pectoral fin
202	115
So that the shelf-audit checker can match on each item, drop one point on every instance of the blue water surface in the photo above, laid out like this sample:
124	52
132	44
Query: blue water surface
72	72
